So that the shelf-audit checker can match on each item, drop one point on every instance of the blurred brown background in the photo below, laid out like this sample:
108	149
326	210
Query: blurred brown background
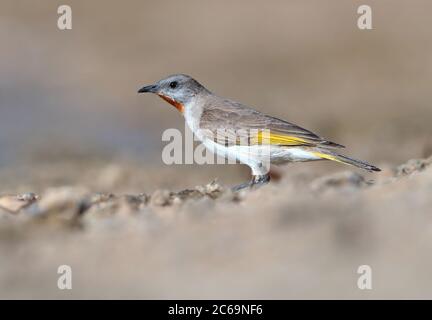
70	116
73	93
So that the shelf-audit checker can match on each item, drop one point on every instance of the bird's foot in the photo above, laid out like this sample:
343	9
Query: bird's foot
256	182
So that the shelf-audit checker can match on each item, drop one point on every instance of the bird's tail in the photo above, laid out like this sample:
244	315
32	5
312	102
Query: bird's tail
329	155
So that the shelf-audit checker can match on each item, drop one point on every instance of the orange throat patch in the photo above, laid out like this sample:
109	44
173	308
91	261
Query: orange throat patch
176	104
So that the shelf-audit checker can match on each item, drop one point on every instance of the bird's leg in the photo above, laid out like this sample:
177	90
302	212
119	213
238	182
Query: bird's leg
257	181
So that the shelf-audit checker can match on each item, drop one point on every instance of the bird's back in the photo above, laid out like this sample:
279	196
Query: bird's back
225	114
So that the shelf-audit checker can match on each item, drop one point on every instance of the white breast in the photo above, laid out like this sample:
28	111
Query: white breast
192	116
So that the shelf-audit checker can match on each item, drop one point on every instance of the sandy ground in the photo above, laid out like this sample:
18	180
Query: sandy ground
303	236
81	177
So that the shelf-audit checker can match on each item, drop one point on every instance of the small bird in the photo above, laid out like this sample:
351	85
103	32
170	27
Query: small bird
207	115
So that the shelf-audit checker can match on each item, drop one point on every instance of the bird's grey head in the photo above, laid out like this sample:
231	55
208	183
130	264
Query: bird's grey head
178	90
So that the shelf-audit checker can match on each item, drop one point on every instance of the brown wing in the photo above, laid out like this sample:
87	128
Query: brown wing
229	116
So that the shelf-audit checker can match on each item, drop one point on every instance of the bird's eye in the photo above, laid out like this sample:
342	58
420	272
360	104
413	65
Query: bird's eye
173	84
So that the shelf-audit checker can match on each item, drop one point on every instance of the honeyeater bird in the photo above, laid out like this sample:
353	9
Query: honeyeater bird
268	139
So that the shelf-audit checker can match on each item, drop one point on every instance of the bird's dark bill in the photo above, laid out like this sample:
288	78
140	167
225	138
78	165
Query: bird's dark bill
151	88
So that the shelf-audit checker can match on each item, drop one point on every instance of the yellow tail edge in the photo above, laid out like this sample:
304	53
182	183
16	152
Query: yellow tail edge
346	160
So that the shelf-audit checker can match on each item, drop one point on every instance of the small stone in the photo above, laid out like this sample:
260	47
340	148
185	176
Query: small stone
30	196
189	194
14	204
412	166
136	203
212	189
160	198
63	200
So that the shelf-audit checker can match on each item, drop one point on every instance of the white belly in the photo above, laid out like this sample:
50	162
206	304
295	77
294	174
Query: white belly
259	157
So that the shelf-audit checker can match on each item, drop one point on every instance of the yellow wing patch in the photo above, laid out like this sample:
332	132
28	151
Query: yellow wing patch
266	138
